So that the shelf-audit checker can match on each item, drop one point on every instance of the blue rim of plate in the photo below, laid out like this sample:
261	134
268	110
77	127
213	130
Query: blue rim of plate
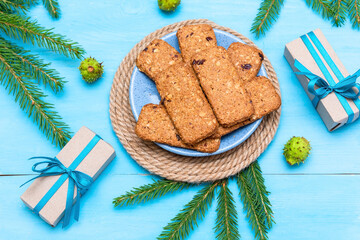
228	141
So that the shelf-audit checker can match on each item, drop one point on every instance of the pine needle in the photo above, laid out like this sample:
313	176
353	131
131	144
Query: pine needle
185	221
32	65
149	192
29	2
256	203
339	8
29	98
226	219
268	13
354	13
321	7
24	29
52	6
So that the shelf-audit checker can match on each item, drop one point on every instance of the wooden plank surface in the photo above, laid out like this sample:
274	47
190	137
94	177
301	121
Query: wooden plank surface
305	207
316	200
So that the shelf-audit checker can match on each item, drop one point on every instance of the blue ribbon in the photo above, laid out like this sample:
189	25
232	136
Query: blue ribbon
343	89
80	180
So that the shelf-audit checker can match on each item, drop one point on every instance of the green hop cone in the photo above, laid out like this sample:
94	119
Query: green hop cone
91	70
296	150
168	5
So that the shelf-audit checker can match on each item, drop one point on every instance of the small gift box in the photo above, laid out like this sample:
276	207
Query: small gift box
56	191
333	92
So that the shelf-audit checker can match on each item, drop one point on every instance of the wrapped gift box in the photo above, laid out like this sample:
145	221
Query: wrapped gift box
95	160
335	112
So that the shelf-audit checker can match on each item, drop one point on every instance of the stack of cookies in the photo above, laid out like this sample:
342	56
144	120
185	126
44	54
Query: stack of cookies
206	91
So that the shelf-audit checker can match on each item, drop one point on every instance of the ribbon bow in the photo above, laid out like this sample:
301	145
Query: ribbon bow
53	167
344	87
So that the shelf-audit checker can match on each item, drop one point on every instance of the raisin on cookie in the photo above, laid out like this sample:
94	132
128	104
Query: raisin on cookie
246	59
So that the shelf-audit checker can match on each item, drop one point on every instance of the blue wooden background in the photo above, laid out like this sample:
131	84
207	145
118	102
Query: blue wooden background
317	200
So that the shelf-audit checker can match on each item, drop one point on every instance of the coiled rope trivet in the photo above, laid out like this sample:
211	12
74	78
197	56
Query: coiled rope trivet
172	166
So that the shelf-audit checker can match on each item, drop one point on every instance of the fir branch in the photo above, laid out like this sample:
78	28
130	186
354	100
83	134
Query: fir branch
149	192
52	6
226	219
256	203
321	7
252	210
354	13
339	8
184	222
22	28
33	66
257	183
13	6
268	13
29	98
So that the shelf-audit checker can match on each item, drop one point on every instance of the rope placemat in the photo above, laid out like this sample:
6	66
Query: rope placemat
172	166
